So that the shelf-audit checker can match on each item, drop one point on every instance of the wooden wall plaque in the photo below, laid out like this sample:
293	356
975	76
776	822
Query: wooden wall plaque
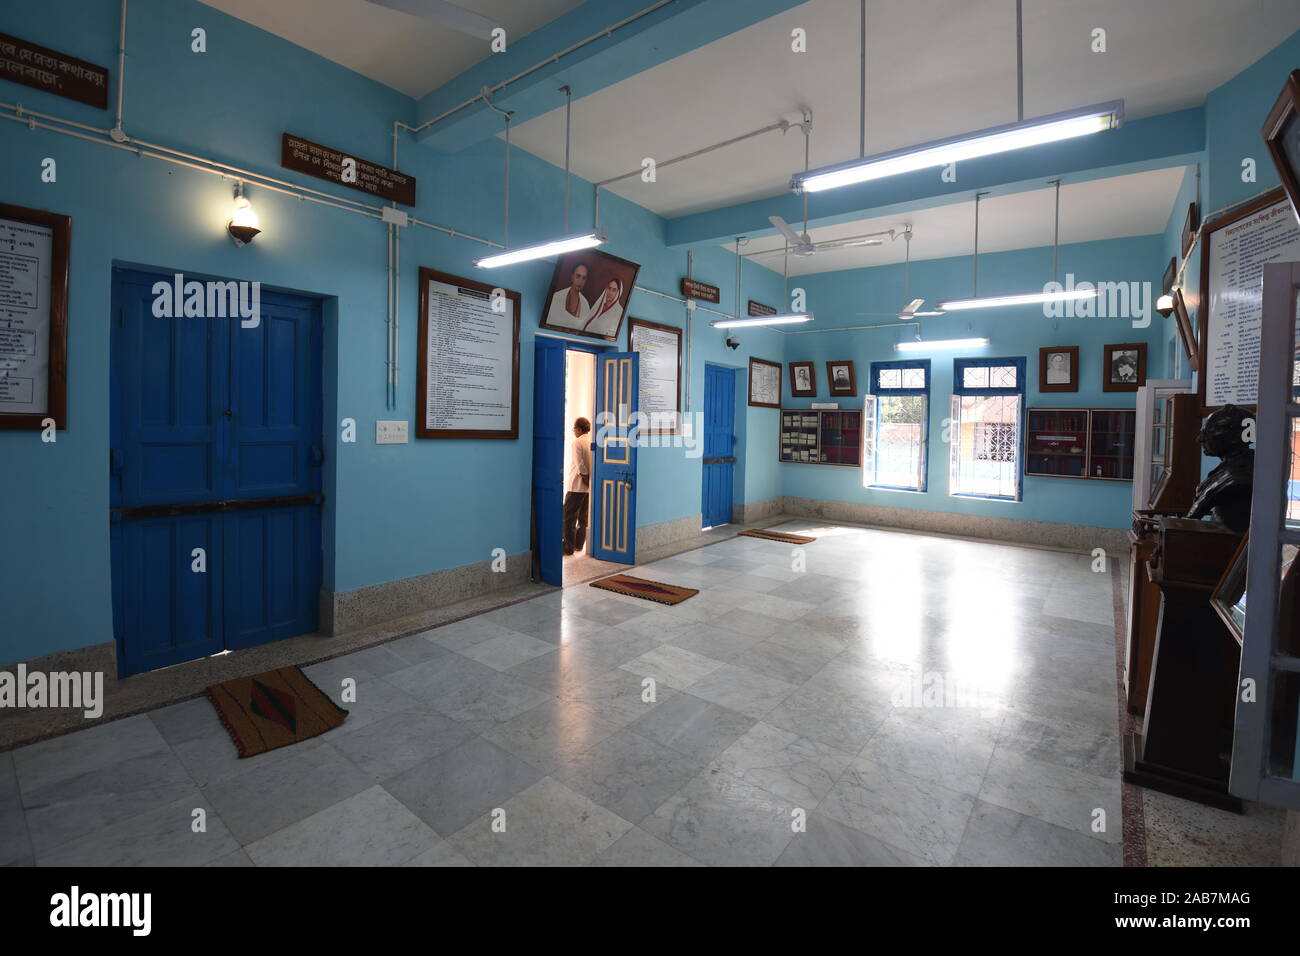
53	72
694	289
304	156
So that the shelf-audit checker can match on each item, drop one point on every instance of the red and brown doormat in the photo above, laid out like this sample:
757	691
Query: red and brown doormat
640	587
779	536
273	709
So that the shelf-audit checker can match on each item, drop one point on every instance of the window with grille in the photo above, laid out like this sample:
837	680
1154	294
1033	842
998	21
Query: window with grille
897	416
985	429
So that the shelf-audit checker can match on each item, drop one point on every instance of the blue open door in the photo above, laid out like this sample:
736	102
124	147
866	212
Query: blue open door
613	469
548	458
719	444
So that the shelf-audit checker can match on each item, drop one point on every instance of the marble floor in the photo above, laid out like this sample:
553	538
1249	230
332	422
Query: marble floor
872	698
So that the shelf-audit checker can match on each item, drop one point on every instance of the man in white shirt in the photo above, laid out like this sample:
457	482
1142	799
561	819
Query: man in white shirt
569	307
578	487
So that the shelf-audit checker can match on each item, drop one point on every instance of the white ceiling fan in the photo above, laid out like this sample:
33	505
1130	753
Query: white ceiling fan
444	14
913	308
803	245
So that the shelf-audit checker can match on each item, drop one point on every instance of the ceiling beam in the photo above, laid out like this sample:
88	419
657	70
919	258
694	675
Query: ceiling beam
670	31
1155	142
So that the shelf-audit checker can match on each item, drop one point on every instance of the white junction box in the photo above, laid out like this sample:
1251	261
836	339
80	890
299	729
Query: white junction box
391	433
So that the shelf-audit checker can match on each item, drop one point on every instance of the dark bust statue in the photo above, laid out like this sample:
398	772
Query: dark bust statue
1225	493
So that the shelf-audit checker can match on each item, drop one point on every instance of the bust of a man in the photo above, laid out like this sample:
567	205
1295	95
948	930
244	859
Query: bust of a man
1225	492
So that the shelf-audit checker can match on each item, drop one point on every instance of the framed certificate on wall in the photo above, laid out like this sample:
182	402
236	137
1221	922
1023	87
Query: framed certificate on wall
660	383
469	359
33	317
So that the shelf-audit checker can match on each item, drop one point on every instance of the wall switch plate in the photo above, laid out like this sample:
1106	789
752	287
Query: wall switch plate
391	433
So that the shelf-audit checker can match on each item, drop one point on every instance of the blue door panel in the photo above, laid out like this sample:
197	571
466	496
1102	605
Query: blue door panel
207	413
613	467
548	457
719	443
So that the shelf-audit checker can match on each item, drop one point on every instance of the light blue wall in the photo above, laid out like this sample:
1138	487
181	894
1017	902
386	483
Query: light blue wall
392	511
836	297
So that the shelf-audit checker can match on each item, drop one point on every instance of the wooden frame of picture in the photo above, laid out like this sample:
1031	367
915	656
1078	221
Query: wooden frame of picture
811	390
1190	224
1270	198
1281	132
770	374
1230	590
1108	368
606	268
56	377
836	384
1044	358
654	327
1170	276
1186	331
422	377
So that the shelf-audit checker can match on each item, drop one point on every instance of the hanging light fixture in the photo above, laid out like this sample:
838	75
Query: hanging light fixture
243	224
987	142
977	301
1165	305
588	239
739	322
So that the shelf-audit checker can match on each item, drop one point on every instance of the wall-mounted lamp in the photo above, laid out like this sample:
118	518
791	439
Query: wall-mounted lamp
243	225
1165	305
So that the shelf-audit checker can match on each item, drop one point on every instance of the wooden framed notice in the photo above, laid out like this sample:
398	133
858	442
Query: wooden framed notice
469	359
1234	250
304	156
660	376
764	383
53	72
758	308
701	291
33	317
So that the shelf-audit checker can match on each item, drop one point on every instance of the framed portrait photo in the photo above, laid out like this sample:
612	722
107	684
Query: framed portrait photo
1190	225
1171	274
803	380
1186	331
1282	133
33	317
1058	368
842	380
589	294
764	383
1124	367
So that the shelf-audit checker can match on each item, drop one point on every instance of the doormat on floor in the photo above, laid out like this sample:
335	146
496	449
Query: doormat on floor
273	709
779	536
650	590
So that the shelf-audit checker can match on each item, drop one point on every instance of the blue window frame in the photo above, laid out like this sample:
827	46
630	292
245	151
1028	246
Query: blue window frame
899	427
987	428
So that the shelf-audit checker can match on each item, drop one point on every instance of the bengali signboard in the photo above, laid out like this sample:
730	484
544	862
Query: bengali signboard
304	156
44	69
758	308
694	289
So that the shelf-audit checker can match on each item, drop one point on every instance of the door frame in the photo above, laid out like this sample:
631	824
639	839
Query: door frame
736	463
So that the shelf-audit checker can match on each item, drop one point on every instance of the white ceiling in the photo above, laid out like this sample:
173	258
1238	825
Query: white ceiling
408	53
1134	205
935	68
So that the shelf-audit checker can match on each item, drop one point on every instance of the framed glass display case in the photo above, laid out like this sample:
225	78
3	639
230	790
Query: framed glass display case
821	436
1093	443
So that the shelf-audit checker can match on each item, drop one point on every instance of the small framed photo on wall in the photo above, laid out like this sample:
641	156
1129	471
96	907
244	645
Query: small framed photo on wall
1282	133
842	380
1124	367
1190	225
1058	368
803	380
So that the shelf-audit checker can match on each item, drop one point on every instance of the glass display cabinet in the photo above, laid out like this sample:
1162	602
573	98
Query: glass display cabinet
1093	443
1157	416
815	436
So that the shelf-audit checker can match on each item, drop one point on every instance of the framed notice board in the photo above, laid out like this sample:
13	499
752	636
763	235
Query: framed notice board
660	382
469	359
33	317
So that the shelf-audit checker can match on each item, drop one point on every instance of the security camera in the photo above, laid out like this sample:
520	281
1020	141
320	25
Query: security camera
733	341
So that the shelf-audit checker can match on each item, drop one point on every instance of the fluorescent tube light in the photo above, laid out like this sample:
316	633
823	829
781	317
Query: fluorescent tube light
552	247
941	344
762	320
998	139
1022	298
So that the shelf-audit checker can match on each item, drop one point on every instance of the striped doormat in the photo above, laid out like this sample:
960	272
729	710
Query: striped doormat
779	536
273	709
640	587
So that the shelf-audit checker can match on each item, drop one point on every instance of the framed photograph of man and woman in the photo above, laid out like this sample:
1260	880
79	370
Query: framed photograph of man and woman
589	294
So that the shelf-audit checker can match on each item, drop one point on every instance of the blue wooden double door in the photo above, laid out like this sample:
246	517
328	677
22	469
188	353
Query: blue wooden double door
215	471
719	444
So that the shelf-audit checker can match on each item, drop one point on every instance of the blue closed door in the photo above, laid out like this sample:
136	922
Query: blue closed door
215	476
719	444
613	459
548	458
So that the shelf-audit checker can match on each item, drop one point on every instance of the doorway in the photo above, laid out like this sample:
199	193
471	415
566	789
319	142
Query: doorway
215	475
719	445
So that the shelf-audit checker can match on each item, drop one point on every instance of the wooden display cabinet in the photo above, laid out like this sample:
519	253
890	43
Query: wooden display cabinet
1094	443
817	436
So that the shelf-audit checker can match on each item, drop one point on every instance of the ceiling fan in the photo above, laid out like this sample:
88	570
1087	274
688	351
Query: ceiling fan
803	245
913	308
444	14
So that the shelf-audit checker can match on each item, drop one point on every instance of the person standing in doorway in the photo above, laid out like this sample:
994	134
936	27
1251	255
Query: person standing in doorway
578	488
